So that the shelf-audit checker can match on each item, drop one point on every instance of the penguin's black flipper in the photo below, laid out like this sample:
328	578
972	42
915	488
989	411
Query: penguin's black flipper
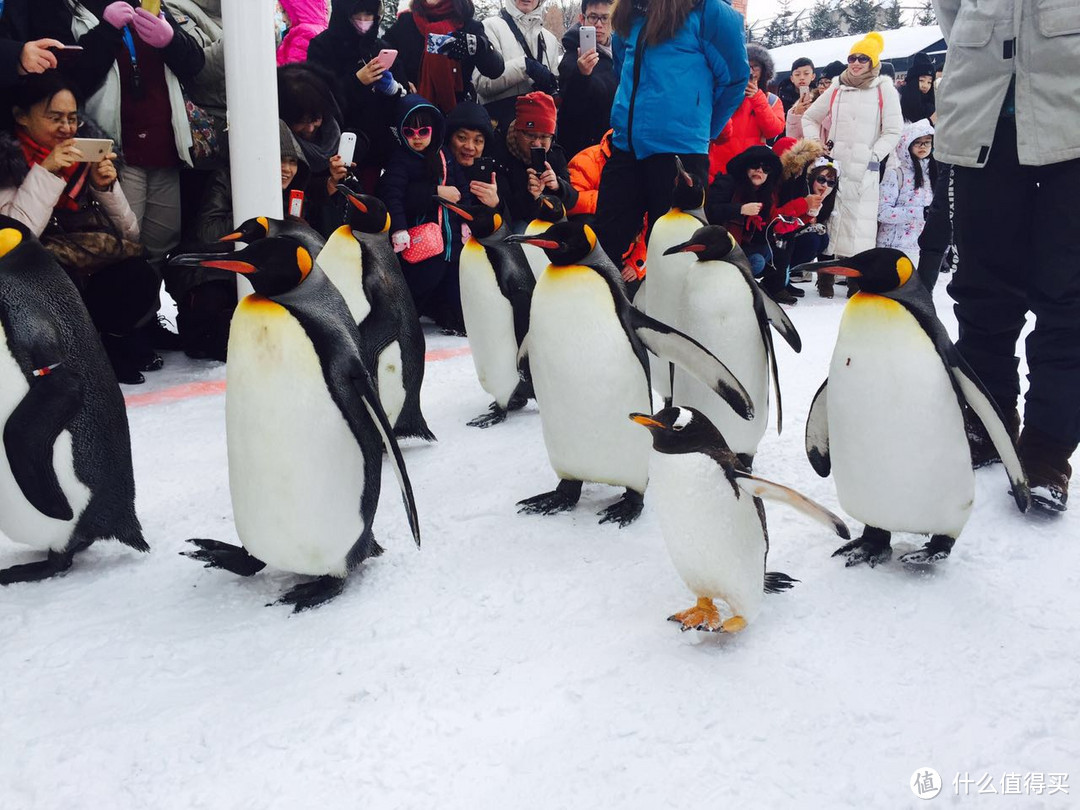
681	349
216	554
780	321
516	283
312	594
770	350
769	490
817	432
52	402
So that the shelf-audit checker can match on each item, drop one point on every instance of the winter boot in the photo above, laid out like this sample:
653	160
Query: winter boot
203	316
773	282
825	283
793	290
983	452
1046	461
123	355
852	286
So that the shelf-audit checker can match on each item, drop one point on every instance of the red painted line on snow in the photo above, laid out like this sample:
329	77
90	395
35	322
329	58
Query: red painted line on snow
206	389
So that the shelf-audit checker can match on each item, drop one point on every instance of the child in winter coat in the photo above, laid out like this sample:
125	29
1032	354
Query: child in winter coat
907	189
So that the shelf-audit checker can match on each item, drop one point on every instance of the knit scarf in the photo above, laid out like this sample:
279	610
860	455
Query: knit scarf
860	82
75	174
439	82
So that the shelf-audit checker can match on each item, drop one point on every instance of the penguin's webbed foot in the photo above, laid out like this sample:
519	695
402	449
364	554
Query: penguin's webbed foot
624	511
494	416
312	594
55	563
561	499
705	616
936	550
216	554
873	547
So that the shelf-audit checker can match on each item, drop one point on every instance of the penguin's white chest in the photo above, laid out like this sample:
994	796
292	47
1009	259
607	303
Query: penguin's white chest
667	274
896	434
343	264
489	321
715	539
19	520
718	312
587	381
536	257
296	472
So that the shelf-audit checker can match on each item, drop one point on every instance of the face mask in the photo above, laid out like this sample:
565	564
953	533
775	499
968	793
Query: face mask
363	26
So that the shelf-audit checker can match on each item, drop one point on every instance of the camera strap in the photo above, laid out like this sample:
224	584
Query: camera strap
541	49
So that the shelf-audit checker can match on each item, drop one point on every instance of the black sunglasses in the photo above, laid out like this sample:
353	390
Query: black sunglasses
826	181
759	165
858	57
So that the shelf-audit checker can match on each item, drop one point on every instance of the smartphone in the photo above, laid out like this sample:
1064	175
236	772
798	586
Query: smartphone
66	52
151	6
93	149
481	169
538	157
588	39
347	147
296	203
386	57
804	90
436	41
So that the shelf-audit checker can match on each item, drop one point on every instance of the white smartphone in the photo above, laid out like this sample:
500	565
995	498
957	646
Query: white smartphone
346	147
588	38
93	149
803	90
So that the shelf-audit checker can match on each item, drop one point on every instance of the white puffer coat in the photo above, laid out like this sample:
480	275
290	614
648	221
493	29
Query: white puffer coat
864	126
514	81
900	204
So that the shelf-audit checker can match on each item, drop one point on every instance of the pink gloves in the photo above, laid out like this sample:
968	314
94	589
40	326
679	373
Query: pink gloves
154	31
400	240
118	14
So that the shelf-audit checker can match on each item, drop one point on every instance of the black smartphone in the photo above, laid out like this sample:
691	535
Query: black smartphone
66	53
538	154
481	169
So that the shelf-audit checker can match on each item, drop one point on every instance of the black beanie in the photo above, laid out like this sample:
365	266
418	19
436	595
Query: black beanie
469	115
833	69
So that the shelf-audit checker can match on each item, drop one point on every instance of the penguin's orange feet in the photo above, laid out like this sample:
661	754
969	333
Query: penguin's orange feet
702	616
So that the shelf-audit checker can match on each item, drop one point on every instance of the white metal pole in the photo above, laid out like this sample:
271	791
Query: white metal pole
251	84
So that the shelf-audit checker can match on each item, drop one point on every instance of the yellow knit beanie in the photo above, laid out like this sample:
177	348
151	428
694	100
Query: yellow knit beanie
872	45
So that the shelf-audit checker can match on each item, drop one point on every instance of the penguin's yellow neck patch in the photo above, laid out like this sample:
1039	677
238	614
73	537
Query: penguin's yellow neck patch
904	269
472	246
9	240
259	304
876	305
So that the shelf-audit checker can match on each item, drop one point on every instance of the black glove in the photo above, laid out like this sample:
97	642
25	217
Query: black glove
461	47
542	78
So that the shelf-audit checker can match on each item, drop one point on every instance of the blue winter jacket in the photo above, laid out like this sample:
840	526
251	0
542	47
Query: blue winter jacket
676	96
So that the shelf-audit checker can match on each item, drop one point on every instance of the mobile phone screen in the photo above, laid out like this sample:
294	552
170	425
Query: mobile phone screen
538	156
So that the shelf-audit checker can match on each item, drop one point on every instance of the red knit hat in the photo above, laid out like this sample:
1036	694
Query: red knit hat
783	144
535	112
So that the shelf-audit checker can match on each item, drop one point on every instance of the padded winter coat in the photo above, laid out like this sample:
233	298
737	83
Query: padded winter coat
990	41
756	120
864	126
307	19
901	206
514	81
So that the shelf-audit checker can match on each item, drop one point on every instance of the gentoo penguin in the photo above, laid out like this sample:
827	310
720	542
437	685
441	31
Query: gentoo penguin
668	271
722	306
496	288
549	210
360	261
65	475
305	429
887	422
587	350
713	518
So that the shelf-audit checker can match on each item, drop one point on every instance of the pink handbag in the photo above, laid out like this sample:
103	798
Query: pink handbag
426	240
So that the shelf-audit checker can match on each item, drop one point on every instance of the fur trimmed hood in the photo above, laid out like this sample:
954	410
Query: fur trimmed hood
800	156
760	54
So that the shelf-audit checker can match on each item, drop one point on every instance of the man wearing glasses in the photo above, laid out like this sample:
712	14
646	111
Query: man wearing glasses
588	80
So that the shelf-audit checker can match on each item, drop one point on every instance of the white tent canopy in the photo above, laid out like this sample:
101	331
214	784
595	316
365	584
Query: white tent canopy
899	44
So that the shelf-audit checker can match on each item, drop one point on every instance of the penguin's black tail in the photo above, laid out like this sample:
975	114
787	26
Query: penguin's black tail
134	540
775	582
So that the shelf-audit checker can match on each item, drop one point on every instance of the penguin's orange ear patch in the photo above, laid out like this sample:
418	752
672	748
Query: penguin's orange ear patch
904	269
9	240
591	236
303	261
264	222
497	220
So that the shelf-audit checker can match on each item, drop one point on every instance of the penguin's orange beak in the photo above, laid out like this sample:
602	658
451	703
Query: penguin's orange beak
646	421
243	268
839	270
235	236
461	212
357	203
685	247
535	241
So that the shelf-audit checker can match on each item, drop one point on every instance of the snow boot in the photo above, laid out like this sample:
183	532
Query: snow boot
1046	461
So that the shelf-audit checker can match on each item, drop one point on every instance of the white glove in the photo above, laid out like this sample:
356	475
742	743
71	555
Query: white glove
401	241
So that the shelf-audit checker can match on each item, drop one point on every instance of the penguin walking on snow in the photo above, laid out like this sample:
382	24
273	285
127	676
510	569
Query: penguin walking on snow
496	290
727	311
888	422
304	426
713	518
65	474
587	351
549	210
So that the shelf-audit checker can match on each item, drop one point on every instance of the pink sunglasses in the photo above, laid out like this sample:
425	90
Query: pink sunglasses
421	132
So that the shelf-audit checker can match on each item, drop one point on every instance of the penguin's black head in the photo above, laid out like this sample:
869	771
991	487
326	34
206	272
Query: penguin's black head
367	214
565	243
252	230
681	430
12	234
550	208
689	193
273	265
879	270
710	243
482	221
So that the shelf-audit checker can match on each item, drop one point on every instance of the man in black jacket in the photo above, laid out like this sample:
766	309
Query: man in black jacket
588	81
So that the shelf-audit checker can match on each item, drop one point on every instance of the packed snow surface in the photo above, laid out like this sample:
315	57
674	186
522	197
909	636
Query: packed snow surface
526	662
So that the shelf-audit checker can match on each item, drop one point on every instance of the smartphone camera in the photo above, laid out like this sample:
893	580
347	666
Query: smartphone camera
538	157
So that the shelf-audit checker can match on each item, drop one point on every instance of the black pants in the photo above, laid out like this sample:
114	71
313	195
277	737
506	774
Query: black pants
937	230
630	189
1018	239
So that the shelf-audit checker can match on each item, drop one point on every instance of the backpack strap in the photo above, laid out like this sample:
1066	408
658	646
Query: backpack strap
520	37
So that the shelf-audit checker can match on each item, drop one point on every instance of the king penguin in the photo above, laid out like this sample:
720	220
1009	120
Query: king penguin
713	519
304	427
587	351
549	210
727	311
257	228
667	271
496	289
887	422
65	476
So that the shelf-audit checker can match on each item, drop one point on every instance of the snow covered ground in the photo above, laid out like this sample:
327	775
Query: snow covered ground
525	661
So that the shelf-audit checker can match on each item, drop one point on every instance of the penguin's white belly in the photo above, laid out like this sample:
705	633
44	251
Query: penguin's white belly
296	472
715	539
587	381
343	264
667	274
391	381
538	260
718	312
896	434
19	520
489	322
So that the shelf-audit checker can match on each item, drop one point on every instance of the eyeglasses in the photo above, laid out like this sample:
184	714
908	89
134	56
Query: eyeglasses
597	19
759	166
858	57
59	119
825	181
537	137
419	132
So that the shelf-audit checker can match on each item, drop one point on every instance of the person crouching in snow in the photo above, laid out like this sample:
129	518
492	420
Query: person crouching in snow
907	189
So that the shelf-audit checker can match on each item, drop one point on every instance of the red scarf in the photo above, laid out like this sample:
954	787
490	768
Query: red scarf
75	174
440	76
